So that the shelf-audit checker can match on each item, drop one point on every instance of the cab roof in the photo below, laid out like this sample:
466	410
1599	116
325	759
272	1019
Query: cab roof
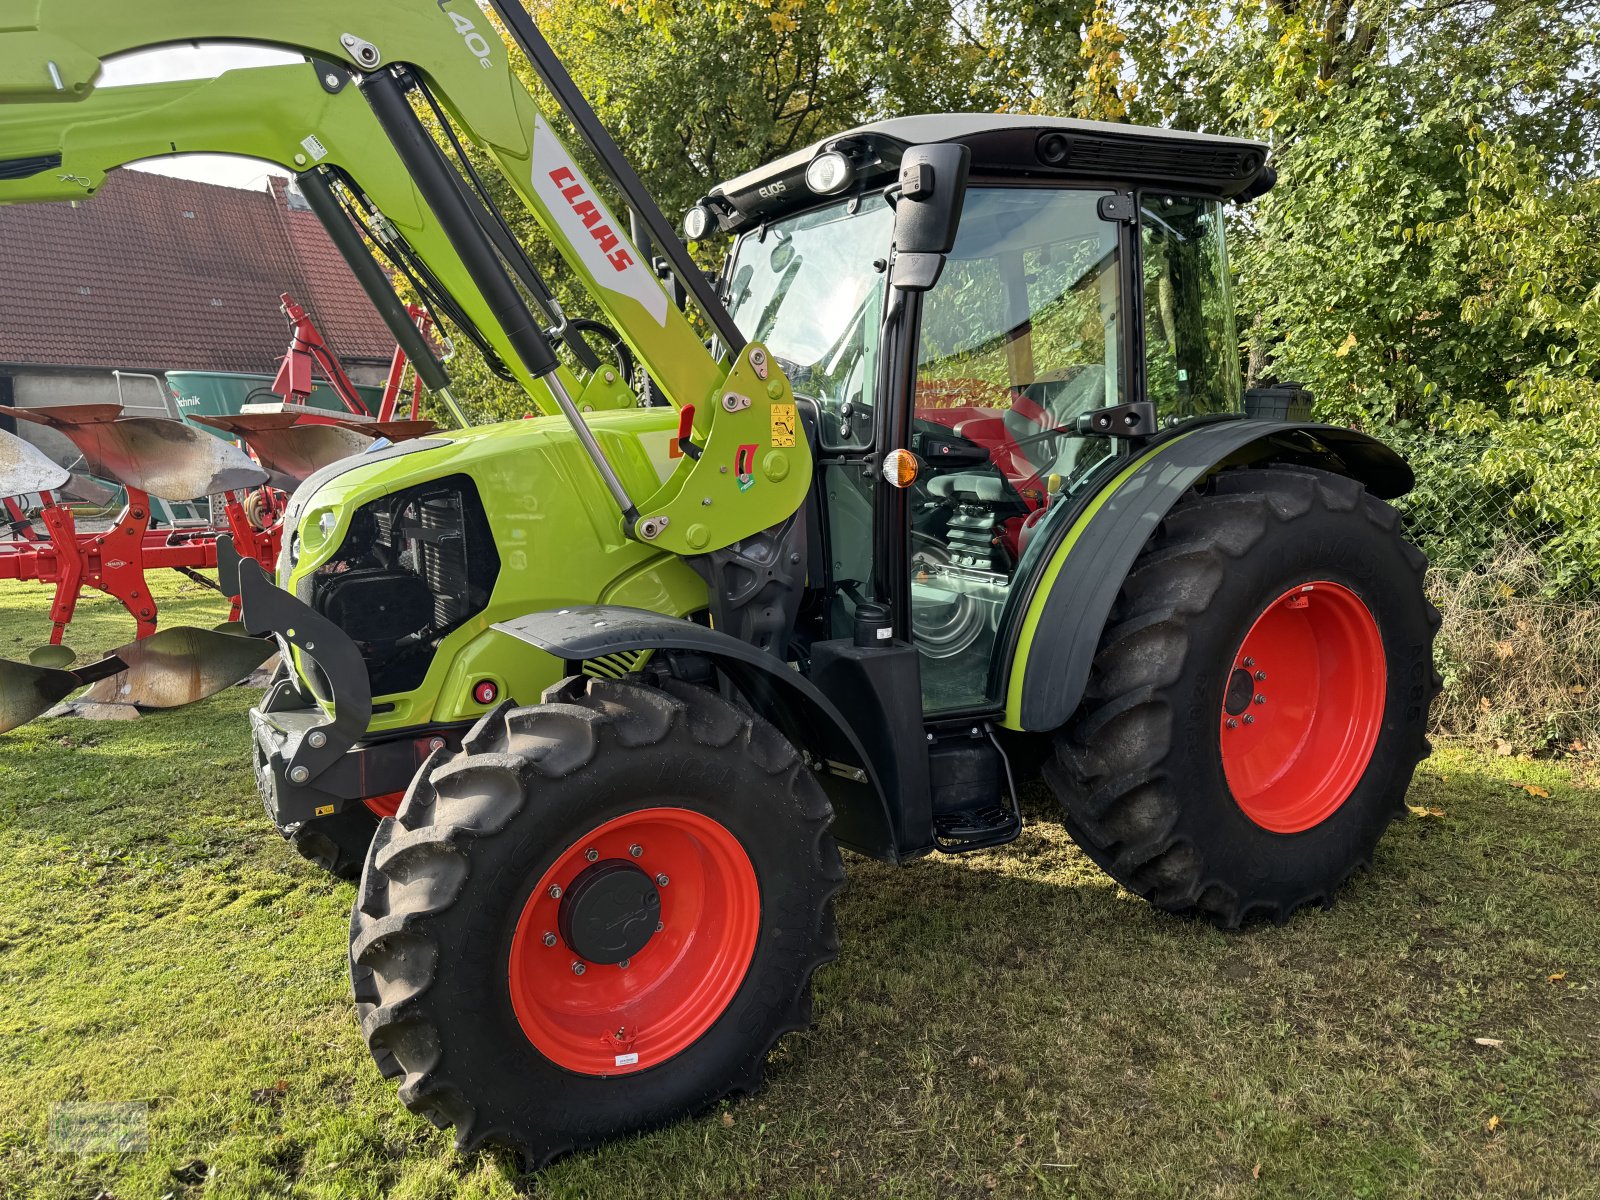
1013	145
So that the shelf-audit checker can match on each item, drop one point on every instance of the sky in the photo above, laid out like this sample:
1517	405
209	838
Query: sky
195	62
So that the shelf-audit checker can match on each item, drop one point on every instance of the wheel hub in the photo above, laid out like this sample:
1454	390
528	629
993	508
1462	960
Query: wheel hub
610	912
1241	687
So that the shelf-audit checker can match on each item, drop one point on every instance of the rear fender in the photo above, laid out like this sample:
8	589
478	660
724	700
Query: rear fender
781	695
1065	604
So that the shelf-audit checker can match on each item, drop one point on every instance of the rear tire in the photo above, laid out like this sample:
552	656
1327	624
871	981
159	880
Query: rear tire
468	927
1143	770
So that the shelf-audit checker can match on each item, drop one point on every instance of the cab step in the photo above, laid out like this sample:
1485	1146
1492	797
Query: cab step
976	829
974	796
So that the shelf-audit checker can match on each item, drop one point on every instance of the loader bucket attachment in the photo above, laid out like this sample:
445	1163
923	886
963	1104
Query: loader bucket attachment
290	451
163	457
25	469
174	667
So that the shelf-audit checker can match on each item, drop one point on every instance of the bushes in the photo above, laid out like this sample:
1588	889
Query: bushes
1521	664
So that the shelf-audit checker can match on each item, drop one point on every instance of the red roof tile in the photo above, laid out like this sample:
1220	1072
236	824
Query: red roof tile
170	274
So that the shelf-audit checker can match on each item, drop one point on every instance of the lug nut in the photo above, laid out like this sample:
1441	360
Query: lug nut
549	938
1249	662
578	968
555	891
1260	699
636	849
1232	723
591	854
1260	675
1249	720
662	881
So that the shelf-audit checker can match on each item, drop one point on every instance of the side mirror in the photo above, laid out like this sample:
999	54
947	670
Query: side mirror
933	185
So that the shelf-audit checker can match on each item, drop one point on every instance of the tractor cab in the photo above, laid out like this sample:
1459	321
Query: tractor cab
1081	310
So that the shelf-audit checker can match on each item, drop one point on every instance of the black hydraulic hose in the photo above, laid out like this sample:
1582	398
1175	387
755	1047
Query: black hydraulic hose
494	223
436	299
319	195
428	171
554	75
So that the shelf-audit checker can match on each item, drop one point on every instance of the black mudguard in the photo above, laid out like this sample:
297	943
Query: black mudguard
780	694
1056	665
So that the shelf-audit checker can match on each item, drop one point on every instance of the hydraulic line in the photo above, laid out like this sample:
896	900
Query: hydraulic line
505	240
553	73
472	244
319	195
434	296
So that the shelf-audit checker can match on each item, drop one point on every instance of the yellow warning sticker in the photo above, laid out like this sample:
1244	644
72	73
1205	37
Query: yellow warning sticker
322	810
783	426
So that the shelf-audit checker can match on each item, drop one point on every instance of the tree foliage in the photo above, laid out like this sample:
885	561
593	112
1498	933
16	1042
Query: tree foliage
1429	262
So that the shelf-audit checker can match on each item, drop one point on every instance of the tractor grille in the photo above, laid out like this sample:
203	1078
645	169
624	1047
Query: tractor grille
414	566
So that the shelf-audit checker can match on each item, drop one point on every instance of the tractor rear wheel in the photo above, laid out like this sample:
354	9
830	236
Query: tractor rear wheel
1259	698
597	918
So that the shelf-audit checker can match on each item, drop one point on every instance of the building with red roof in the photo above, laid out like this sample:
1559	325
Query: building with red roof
158	274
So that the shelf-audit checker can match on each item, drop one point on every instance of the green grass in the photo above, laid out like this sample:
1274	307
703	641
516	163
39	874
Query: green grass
1005	1024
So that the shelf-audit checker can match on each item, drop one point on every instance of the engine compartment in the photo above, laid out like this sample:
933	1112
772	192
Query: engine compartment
414	566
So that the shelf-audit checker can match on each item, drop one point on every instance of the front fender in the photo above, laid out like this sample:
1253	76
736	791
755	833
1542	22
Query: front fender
1066	605
781	695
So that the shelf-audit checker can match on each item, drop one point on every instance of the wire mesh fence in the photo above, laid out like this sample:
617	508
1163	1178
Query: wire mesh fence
1519	647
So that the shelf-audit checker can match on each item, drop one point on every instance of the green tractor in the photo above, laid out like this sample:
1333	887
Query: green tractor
961	487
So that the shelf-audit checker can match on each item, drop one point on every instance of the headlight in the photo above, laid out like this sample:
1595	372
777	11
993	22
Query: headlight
829	173
697	222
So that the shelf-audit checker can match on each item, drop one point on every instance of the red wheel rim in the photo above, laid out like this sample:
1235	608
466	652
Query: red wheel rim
1303	707
615	1019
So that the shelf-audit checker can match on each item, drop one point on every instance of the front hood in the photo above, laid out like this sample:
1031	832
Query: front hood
513	464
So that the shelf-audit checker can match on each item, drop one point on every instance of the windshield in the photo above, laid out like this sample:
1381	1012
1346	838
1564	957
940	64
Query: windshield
807	289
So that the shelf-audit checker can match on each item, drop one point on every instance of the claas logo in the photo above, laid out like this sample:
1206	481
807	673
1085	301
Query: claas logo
589	213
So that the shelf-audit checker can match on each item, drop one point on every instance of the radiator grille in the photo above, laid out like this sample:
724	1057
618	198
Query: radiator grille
435	532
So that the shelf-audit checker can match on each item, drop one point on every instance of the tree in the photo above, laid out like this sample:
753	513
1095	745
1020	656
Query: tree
1422	263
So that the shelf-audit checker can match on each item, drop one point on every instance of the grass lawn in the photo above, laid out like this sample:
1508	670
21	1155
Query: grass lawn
1004	1024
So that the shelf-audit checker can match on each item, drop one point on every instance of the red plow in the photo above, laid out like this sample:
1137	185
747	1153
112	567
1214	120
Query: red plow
163	459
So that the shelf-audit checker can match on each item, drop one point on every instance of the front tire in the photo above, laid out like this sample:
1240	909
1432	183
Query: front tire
1258	701
598	918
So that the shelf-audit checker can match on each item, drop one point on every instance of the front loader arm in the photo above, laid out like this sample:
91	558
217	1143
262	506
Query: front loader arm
51	51
283	115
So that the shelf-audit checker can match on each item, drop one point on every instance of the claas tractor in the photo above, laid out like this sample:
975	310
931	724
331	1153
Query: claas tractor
951	482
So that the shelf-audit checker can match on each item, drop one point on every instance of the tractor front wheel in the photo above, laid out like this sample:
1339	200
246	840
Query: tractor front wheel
1259	698
597	918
